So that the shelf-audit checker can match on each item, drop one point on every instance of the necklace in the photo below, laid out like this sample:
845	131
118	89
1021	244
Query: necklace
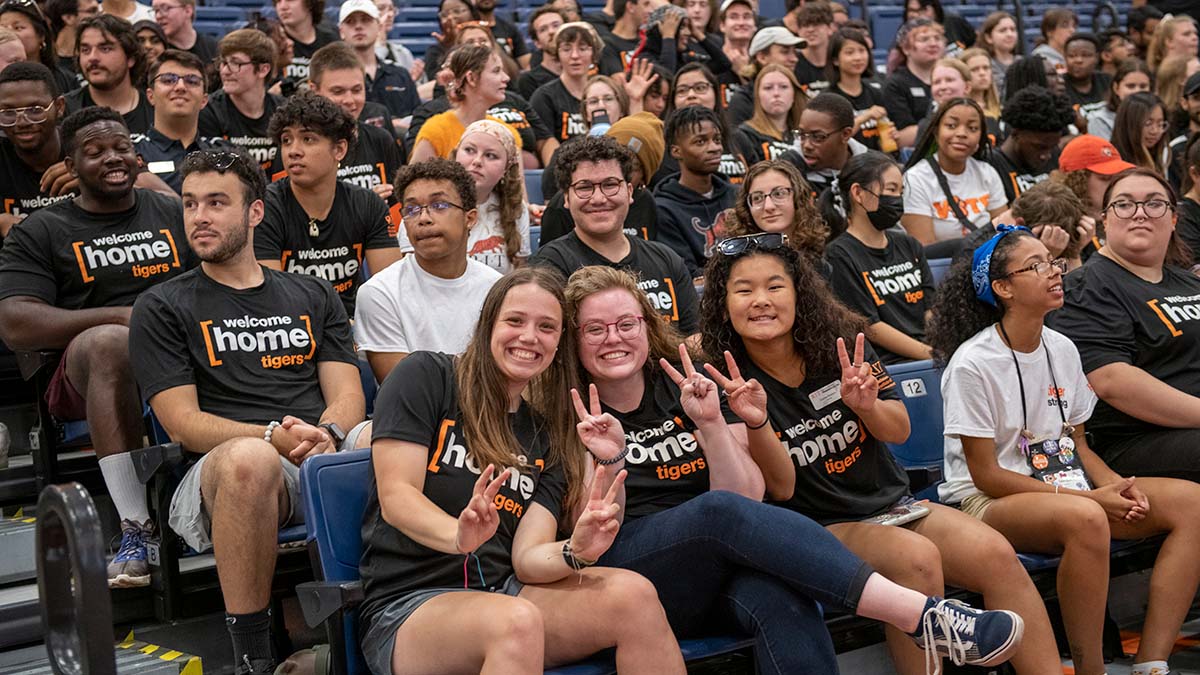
313	229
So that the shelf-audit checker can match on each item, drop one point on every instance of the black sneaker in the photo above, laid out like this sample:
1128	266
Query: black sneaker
250	666
968	636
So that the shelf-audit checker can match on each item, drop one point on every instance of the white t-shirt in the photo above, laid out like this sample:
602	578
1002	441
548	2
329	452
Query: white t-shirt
1100	122
406	309
978	188
981	398
486	240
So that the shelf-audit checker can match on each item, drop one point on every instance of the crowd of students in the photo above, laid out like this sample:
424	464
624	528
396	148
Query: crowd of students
670	414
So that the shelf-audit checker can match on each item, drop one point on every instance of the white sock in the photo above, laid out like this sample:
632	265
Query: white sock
127	492
1150	668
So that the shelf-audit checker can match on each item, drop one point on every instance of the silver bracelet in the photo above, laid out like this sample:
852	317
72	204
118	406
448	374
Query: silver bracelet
270	430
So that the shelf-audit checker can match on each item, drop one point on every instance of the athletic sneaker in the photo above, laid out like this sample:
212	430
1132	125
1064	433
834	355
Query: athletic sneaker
968	636
129	568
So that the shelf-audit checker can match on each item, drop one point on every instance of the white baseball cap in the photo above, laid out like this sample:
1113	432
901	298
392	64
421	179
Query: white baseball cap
351	6
729	3
771	35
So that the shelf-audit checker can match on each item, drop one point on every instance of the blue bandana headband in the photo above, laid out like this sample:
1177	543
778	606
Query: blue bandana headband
981	263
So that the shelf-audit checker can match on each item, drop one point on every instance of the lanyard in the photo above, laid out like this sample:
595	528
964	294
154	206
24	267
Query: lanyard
1026	436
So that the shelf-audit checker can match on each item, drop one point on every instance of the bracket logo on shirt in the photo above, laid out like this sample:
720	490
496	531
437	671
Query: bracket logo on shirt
840	435
145	254
1023	181
337	265
450	453
1176	309
662	295
662	445
279	341
572	125
970	206
903	278
23	206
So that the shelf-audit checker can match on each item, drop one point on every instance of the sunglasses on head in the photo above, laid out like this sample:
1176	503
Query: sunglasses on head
764	241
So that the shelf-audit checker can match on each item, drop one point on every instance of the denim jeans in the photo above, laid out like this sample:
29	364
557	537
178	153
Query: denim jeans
723	557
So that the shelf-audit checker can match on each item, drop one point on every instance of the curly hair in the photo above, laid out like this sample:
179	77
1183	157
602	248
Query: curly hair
808	232
957	313
82	118
248	171
663	339
820	318
118	30
1037	109
688	120
438	169
590	149
1052	203
719	108
315	113
1027	72
927	144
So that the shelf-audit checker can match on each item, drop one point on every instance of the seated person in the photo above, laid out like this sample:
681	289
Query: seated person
1086	85
643	135
1127	311
314	223
907	93
878	270
112	62
694	84
775	198
952	79
543	23
252	371
30	109
595	175
69	274
558	102
430	300
691	208
537	142
1036	120
1132	76
815	24
478	84
241	109
1188	224
1086	165
770	131
386	83
770	45
826	135
1018	458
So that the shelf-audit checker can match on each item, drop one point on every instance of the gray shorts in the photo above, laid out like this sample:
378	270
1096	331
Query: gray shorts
379	630
192	522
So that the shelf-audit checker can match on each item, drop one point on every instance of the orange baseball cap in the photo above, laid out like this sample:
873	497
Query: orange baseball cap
1094	154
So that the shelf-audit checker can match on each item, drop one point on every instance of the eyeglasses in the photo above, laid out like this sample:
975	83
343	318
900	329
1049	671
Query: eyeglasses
600	100
9	117
699	88
172	79
596	332
233	66
779	195
163	10
1044	268
765	241
609	187
817	137
435	208
1151	125
1153	208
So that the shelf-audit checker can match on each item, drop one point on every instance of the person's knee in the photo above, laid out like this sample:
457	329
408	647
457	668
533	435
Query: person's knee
1084	525
249	465
630	594
917	564
103	348
517	629
996	559
718	508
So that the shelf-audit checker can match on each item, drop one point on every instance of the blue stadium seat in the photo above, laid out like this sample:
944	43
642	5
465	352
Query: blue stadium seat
920	388
939	266
533	186
223	14
535	236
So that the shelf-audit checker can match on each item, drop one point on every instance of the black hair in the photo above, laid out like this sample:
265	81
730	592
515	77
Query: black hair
939	14
958	314
85	117
1027	72
836	106
235	161
1037	109
122	32
814	13
438	169
590	149
1126	68
839	39
57	9
29	71
315	113
316	9
687	120
620	7
1138	16
1087	37
1191	159
927	143
722	116
185	59
1106	37
863	169
45	55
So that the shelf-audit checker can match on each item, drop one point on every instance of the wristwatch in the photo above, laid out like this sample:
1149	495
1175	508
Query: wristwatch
335	432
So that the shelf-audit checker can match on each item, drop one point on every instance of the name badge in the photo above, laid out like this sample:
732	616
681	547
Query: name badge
166	166
826	395
917	91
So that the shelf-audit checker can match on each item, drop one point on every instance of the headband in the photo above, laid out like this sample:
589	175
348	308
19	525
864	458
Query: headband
981	263
500	131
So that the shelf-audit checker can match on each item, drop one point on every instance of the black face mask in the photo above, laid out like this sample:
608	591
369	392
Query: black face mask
888	214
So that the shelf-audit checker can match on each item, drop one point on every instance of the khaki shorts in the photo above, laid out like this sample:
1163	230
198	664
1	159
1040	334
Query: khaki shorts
976	505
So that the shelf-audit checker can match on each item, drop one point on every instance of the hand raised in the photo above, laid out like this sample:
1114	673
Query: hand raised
600	432
478	521
639	78
747	398
697	394
860	389
598	524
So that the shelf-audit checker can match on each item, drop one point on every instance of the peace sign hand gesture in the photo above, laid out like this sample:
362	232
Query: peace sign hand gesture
600	432
697	394
479	520
747	398
860	389
598	524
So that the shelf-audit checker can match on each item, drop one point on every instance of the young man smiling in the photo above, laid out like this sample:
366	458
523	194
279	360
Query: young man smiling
176	18
177	86
30	109
316	224
241	110
387	84
430	300
111	61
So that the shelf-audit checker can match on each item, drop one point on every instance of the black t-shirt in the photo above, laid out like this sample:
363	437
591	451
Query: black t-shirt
740	104
811	78
221	119
252	353
618	52
891	284
1093	100
393	88
1017	177
418	404
1188	225
373	160
1115	316
205	47
530	80
509	37
20	185
640	222
666	464
164	156
76	259
843	473
513	110
906	98
357	223
756	146
302	53
139	120
872	95
559	110
661	274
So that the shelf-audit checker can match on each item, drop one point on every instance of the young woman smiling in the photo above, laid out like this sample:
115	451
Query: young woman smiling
478	84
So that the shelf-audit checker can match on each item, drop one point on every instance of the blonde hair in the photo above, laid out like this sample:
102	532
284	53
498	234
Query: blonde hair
1169	80
991	98
1157	51
758	121
510	189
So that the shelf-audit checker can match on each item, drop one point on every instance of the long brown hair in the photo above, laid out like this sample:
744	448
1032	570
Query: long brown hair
1179	253
990	96
462	61
989	25
759	121
483	390
1129	127
808	232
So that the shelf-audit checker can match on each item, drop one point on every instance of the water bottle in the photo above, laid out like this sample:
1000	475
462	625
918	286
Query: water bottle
600	123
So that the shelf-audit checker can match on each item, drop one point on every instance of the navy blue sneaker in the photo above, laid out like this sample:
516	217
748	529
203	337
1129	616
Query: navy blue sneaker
967	636
129	567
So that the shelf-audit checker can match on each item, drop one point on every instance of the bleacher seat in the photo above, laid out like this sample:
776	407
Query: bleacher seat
535	237
919	384
533	186
938	267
